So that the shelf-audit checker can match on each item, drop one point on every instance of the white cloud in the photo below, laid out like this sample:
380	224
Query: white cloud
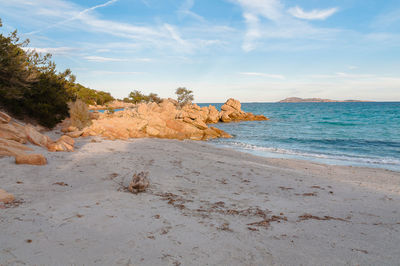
105	72
257	74
76	15
353	76
268	19
104	59
111	59
271	9
53	51
343	75
185	10
315	14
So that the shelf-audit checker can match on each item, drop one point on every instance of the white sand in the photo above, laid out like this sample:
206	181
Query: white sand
216	193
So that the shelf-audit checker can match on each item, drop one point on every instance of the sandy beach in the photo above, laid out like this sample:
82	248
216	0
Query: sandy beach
205	206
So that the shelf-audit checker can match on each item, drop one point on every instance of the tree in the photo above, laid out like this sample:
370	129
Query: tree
153	97
29	84
31	87
137	97
185	96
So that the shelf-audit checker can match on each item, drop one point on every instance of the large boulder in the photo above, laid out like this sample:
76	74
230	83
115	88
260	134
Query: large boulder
232	103
37	138
213	115
75	134
231	112
12	148
13	131
32	159
64	143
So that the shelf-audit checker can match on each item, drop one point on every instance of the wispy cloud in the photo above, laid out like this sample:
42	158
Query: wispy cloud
104	59
387	19
185	10
343	75
54	50
112	59
257	74
105	72
318	14
268	19
74	17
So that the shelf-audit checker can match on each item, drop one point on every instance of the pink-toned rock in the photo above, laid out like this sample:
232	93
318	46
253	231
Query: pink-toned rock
235	104
32	159
222	134
13	131
167	120
75	134
6	197
64	143
213	115
231	112
37	138
12	148
4	118
199	124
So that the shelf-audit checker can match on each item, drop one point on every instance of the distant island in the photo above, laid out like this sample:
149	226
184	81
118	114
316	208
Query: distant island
313	100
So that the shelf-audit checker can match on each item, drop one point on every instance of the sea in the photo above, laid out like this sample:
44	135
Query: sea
349	133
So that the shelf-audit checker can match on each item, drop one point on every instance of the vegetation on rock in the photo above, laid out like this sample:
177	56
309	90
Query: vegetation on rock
185	96
139	97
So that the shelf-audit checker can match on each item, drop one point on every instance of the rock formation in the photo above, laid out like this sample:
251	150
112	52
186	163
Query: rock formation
166	120
14	135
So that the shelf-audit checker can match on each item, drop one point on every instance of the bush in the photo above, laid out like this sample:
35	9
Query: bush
138	97
29	84
185	96
31	87
79	114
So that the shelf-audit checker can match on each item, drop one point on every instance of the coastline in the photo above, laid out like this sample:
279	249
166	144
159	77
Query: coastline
202	199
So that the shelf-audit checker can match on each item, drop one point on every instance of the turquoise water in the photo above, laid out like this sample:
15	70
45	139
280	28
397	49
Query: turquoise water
115	110
358	134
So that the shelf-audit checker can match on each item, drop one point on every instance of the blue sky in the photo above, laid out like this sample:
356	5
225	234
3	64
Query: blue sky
253	50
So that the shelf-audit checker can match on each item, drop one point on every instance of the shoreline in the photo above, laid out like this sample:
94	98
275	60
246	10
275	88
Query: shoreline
308	158
202	199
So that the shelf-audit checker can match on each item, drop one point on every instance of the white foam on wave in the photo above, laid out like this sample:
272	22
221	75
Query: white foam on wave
343	158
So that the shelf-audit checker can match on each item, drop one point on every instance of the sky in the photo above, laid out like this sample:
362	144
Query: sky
252	50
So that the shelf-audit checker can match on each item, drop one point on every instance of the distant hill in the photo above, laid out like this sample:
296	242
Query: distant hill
313	100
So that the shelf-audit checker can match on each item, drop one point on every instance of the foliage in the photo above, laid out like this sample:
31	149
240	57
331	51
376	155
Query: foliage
153	97
89	96
29	84
185	96
31	87
79	114
138	97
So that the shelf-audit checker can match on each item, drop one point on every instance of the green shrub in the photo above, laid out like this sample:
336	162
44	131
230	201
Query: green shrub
31	87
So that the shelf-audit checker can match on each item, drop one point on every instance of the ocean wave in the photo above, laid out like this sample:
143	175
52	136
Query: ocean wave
344	158
343	124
